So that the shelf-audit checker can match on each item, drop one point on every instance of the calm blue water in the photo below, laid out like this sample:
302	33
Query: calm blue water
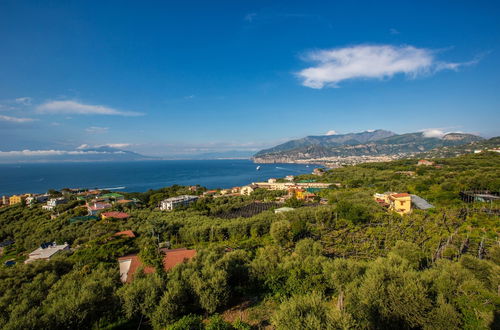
138	176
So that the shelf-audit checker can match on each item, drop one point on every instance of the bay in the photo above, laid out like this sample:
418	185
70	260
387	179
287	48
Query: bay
139	175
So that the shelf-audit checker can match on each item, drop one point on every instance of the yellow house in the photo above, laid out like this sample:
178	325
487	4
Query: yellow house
400	203
397	202
15	199
297	193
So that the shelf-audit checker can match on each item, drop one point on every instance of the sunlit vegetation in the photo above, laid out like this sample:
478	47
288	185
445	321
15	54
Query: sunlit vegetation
348	264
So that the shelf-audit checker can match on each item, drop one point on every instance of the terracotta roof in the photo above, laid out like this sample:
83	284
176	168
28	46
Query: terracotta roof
128	233
176	256
171	259
116	215
135	263
124	201
400	195
381	202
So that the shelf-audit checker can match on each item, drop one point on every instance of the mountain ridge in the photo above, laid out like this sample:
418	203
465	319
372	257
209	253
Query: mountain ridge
373	143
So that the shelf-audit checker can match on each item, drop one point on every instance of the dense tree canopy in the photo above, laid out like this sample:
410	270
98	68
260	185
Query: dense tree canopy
347	264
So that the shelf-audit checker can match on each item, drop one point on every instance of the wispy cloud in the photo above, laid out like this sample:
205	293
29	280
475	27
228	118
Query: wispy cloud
23	100
83	146
34	153
16	119
117	145
371	62
111	145
393	31
96	130
73	107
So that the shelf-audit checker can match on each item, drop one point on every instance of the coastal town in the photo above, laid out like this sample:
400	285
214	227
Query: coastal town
96	204
249	165
352	211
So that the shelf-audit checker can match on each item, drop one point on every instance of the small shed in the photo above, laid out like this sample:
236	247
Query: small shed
420	203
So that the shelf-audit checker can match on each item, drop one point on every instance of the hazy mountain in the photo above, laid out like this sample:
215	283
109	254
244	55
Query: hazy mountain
374	143
103	153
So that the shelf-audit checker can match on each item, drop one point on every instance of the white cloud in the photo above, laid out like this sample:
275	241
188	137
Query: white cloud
394	31
34	153
23	100
331	132
83	146
72	107
433	132
16	119
96	130
370	62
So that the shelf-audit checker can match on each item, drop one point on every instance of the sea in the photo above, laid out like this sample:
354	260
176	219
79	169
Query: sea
139	176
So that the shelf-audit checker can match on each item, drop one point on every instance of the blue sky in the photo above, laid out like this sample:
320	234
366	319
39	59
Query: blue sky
164	77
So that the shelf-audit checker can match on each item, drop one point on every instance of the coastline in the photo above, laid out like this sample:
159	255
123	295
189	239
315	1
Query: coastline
330	162
138	176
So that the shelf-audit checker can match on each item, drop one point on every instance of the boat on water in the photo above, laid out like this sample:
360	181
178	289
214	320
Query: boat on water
258	168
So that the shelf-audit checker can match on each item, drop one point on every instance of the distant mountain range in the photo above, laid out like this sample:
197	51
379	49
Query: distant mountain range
106	153
369	143
102	153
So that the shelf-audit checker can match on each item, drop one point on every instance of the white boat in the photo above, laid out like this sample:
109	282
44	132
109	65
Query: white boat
258	168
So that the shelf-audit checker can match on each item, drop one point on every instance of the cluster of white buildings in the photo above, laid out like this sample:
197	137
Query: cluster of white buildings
30	200
174	202
53	202
301	190
273	184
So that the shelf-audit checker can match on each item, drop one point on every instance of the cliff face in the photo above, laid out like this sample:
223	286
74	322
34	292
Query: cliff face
378	144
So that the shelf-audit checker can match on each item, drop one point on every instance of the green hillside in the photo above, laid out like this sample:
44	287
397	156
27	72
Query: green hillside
347	264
